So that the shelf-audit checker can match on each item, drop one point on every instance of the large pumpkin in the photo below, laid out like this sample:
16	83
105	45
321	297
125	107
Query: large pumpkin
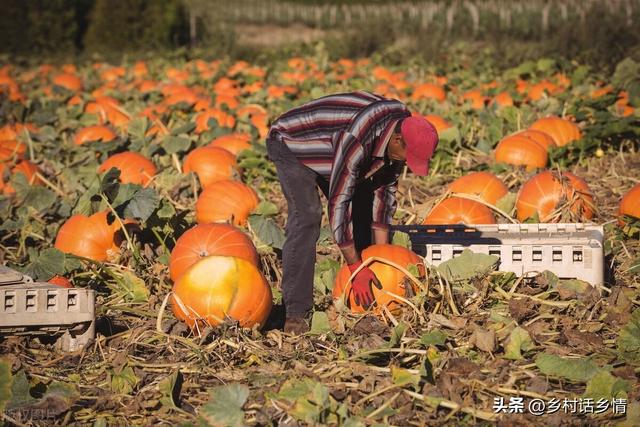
437	121
485	185
90	237
134	168
217	287
94	133
68	81
561	130
211	164
391	279
223	119
204	240
555	198
456	210
630	203
519	150
226	201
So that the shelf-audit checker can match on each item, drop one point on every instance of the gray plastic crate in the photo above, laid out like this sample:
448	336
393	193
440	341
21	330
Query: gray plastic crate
569	250
40	308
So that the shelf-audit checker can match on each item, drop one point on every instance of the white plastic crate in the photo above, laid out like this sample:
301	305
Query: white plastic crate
571	251
39	308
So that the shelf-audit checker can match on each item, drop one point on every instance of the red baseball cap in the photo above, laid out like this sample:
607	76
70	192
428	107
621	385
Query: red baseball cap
421	139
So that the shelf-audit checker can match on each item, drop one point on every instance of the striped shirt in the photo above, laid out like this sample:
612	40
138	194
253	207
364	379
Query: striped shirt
343	137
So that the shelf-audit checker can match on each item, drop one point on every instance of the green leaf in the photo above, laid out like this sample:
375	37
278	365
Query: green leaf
267	230
224	408
142	205
633	416
170	390
507	202
134	288
123	382
266	208
47	264
401	377
6	383
138	128
578	370
545	64
396	334
401	239
110	184
449	135
325	274
184	129
175	144
572	288
166	209
603	385
320	323
519	340
39	198
307	398
20	392
435	337
628	341
467	265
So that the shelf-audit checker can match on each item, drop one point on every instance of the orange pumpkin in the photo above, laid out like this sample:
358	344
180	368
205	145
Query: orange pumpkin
456	210
108	109
438	122
485	185
61	281
68	81
630	203
538	90
12	131
134	168
94	133
223	119
429	91
89	236
503	99
226	201
519	150
475	97
211	164
538	136
561	130
555	197
220	287
10	149
24	167
234	143
391	279
204	240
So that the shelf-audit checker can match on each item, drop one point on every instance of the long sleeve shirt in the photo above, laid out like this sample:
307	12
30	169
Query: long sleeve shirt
343	137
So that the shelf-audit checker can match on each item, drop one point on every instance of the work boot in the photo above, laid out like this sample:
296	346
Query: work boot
296	326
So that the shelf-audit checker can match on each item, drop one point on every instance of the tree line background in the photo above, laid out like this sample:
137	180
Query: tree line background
596	32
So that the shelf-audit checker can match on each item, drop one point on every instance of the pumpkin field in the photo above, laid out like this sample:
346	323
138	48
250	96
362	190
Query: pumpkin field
148	181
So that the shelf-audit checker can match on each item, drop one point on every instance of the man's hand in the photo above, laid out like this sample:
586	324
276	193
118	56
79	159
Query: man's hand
361	285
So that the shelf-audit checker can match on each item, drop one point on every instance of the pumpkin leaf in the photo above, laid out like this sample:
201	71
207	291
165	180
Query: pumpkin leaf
467	265
320	323
578	370
266	208
518	340
325	274
138	128
224	408
401	377
507	202
123	382
142	204
170	389
603	385
628	341
20	392
267	230
397	333
175	144
110	184
6	383
47	264
401	239
435	337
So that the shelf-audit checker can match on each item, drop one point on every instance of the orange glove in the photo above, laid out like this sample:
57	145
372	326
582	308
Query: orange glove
361	285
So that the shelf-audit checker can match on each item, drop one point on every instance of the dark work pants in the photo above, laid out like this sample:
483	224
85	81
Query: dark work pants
300	187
